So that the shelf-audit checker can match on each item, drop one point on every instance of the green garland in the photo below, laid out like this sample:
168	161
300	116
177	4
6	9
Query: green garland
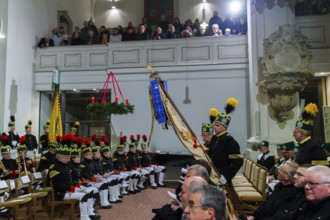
110	108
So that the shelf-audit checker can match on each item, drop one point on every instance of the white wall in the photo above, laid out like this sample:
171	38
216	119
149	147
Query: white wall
132	10
207	90
27	20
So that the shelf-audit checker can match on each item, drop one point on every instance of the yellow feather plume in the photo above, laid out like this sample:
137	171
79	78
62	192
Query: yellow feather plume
311	109
48	122
232	101
77	123
213	112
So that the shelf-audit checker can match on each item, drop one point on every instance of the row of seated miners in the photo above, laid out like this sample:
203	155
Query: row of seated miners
93	175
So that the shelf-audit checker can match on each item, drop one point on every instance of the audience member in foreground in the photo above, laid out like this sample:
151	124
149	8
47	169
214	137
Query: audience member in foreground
205	202
317	190
284	193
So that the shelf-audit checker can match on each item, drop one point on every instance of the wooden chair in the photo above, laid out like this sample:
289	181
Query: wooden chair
71	202
16	203
37	195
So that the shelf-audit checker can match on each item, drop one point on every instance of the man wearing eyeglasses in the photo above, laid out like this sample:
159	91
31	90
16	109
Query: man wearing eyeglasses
317	190
283	194
205	202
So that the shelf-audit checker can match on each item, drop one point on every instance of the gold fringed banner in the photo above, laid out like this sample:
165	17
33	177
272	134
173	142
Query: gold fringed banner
187	138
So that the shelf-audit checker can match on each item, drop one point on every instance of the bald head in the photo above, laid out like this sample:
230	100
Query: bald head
187	185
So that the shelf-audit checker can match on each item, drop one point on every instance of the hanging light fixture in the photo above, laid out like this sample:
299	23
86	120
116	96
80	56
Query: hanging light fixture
203	24
2	34
113	4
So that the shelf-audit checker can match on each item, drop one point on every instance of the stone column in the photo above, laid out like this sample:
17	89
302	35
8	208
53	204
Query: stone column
3	60
264	18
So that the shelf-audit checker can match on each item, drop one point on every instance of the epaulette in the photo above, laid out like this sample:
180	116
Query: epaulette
139	157
82	165
235	156
320	162
18	160
51	166
43	158
114	159
104	162
53	173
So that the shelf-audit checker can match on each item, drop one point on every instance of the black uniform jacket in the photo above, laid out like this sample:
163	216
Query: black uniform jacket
266	160
225	154
46	160
119	161
13	136
10	166
133	161
318	211
44	141
62	179
311	152
107	164
148	159
76	169
88	169
31	142
282	195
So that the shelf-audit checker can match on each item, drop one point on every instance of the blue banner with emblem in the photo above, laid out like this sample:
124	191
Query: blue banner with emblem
157	101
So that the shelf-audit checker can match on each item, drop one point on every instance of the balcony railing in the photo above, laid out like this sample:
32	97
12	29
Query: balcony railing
176	52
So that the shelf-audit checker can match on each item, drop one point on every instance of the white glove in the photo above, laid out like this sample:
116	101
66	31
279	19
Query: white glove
78	189
223	180
82	187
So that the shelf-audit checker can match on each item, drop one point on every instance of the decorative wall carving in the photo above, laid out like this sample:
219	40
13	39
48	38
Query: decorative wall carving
287	70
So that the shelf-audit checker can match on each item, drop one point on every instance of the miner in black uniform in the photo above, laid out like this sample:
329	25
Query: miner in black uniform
48	158
119	161
309	150
13	137
100	169
317	190
133	165
66	188
224	150
76	169
23	160
207	133
10	167
31	141
149	163
266	158
44	139
109	168
90	175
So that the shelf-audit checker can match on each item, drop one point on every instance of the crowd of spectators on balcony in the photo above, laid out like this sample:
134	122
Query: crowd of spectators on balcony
89	34
312	7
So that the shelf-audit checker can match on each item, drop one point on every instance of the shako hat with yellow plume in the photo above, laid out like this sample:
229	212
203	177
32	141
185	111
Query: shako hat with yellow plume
29	124
208	128
305	121
47	124
75	126
224	118
11	123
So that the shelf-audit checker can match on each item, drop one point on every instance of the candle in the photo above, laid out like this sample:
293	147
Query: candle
126	101
116	99
93	100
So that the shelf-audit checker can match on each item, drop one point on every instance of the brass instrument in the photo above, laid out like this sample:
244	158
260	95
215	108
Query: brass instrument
5	171
25	172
